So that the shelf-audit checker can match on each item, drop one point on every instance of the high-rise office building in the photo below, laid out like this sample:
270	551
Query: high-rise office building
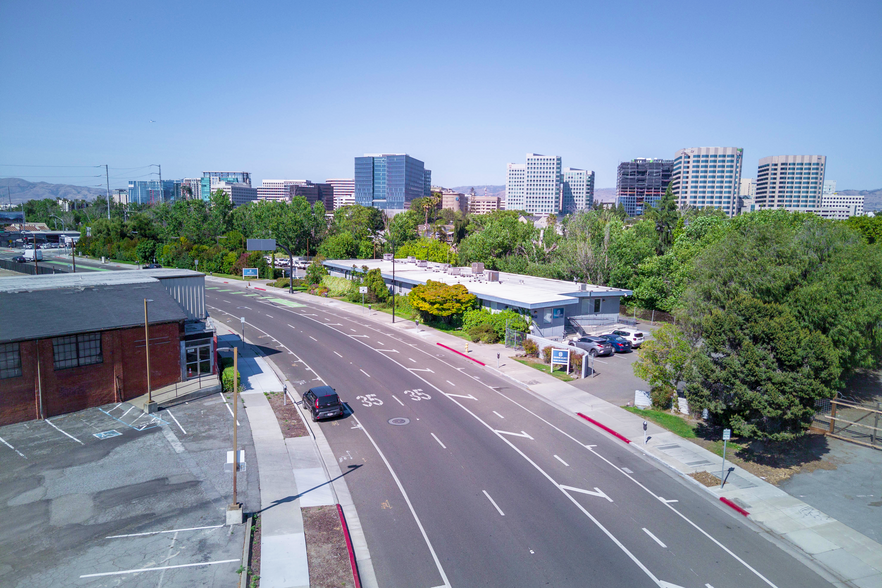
534	186
150	192
708	176
640	183
453	200
389	180
484	204
344	192
238	192
191	188
577	188
211	179
790	181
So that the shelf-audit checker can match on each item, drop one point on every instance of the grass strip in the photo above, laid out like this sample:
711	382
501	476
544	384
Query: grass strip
671	422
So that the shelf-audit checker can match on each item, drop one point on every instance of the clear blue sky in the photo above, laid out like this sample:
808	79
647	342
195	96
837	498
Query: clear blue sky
297	89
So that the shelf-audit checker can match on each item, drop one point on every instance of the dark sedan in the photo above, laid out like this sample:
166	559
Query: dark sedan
593	345
620	344
19	259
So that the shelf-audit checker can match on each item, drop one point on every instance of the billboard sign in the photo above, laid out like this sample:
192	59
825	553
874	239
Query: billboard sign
261	245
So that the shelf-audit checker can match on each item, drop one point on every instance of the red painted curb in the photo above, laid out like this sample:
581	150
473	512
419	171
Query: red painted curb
731	504
261	289
463	354
604	427
349	547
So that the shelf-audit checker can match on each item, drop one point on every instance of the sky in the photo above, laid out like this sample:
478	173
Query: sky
296	90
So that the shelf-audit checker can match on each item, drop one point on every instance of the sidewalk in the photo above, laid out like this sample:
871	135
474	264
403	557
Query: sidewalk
847	554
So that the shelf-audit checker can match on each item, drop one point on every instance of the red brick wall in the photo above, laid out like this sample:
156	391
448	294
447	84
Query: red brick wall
121	376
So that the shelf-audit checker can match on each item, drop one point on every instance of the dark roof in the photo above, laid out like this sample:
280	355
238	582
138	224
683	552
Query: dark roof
40	314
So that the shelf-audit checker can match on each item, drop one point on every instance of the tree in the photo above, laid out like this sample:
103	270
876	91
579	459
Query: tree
665	215
146	250
220	213
316	270
441	300
663	362
377	289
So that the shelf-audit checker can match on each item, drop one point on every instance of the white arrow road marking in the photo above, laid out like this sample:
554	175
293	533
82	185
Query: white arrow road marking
670	502
656	539
663	584
470	397
521	434
493	502
597	491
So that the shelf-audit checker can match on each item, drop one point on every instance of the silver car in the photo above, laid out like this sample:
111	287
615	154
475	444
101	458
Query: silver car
593	345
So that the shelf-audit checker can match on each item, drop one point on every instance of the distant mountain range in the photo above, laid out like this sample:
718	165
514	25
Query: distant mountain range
872	198
22	191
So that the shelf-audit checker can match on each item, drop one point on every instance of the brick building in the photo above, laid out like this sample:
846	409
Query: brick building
74	341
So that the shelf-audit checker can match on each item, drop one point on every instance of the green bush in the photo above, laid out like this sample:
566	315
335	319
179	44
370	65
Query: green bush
284	283
336	286
483	333
227	378
319	290
530	348
576	362
546	354
497	320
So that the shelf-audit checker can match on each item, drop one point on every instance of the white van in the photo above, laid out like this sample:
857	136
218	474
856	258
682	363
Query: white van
30	253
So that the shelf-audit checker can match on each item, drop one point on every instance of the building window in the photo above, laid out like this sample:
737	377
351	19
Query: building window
77	350
597	305
10	361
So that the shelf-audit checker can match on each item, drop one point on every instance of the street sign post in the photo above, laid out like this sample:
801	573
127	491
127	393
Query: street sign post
560	357
362	290
249	272
727	433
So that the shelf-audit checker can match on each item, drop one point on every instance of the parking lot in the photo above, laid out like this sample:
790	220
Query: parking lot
111	496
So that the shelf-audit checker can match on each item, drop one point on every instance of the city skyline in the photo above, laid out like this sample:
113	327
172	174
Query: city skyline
82	101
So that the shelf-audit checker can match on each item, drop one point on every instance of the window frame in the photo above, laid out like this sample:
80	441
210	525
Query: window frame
78	350
7	365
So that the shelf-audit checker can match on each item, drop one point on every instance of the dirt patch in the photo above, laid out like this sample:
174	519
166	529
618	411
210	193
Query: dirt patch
773	462
287	415
326	549
253	579
706	478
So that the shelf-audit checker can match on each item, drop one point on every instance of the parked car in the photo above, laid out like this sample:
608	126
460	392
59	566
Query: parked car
593	345
632	335
322	402
152	266
620	344
19	259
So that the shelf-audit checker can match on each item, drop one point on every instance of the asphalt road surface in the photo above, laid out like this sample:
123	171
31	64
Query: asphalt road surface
466	479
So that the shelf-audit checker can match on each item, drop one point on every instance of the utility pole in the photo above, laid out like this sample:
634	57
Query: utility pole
107	177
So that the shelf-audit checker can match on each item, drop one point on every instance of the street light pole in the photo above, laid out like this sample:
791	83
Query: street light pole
147	353
393	281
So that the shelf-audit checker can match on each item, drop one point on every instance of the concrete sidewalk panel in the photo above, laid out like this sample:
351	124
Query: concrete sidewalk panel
283	562
313	487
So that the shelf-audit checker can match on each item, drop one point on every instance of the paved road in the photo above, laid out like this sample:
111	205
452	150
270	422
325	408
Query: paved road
60	258
465	479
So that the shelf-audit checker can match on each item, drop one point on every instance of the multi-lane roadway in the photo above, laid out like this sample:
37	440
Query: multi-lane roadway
466	479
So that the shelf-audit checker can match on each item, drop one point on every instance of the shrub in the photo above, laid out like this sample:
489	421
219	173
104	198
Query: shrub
662	397
497	320
319	290
283	283
576	362
483	333
336	286
530	348
227	379
546	354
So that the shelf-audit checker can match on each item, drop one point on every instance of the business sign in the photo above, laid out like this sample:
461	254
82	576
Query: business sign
560	357
362	289
261	245
249	272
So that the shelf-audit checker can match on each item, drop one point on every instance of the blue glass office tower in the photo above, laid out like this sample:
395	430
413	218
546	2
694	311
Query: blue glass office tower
390	180
149	191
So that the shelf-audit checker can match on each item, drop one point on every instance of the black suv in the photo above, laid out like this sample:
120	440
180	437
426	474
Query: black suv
322	402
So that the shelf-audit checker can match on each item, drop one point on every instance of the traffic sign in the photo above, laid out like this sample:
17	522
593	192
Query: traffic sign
261	245
727	434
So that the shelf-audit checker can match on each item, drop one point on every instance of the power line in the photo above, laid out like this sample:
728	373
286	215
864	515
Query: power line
16	165
43	176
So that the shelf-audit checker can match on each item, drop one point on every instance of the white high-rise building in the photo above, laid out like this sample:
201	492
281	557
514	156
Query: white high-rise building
790	181
344	192
829	187
535	186
708	176
578	190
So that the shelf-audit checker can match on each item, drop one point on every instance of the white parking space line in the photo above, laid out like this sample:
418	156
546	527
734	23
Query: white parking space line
227	404
2	440
493	502
657	540
396	398
68	434
161	532
557	457
207	563
438	440
176	421
365	373
499	415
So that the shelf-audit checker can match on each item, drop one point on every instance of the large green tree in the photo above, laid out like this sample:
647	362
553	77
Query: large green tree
440	300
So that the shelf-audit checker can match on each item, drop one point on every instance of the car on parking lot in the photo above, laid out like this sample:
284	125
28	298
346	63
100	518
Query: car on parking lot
632	335
593	345
619	343
323	403
19	259
152	266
